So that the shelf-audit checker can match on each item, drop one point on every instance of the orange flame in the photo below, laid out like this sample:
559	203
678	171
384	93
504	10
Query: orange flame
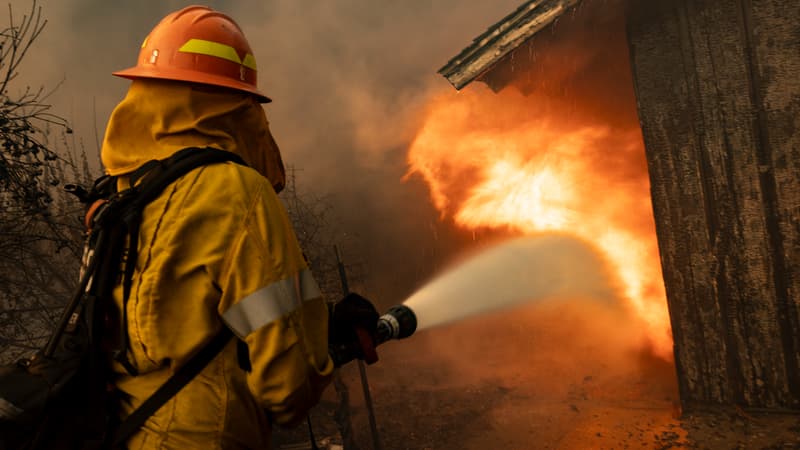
534	164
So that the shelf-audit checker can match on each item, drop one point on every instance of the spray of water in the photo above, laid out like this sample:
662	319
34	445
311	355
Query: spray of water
521	270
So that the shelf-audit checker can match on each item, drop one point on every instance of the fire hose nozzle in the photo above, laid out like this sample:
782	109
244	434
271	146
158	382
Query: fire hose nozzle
399	322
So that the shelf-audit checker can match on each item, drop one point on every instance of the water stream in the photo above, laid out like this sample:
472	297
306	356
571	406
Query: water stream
520	270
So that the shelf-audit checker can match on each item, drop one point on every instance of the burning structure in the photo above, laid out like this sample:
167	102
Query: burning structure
665	132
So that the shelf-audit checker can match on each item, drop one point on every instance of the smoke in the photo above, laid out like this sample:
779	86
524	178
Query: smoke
348	78
554	348
543	309
556	363
350	82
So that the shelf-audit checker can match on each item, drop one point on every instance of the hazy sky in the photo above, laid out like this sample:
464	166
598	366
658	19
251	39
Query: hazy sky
338	70
348	79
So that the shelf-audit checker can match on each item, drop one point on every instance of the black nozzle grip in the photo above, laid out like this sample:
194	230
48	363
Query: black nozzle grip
399	322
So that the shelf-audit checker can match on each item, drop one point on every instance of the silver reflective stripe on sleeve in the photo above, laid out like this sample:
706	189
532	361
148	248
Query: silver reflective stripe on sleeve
270	303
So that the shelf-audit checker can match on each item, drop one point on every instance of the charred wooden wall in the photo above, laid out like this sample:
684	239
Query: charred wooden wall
718	92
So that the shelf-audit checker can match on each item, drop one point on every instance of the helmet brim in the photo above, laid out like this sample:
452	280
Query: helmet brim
163	73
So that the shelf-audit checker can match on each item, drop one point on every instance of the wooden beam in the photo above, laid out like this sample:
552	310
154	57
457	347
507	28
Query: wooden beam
503	37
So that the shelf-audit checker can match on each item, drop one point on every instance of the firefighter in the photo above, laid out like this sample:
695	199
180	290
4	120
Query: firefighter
216	249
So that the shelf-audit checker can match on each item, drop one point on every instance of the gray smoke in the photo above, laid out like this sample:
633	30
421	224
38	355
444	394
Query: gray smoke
348	79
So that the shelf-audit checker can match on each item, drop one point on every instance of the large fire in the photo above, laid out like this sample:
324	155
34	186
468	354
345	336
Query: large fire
533	164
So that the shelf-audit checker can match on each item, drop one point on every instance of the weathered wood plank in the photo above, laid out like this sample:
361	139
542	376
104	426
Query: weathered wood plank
722	221
774	40
732	149
665	86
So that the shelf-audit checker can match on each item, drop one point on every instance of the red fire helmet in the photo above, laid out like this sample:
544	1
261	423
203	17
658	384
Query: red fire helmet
199	45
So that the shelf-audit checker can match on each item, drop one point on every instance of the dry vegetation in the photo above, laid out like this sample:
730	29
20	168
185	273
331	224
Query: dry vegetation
39	228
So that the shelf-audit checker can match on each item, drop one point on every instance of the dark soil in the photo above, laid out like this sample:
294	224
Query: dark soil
537	380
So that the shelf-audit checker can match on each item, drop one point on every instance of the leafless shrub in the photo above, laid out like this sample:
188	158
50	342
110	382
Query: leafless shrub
39	235
319	235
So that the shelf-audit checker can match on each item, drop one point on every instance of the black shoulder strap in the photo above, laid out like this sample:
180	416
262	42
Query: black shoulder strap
156	175
166	391
147	183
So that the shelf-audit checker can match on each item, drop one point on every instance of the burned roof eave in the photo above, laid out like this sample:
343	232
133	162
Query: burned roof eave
503	37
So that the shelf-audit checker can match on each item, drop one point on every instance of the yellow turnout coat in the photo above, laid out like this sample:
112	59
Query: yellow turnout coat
215	249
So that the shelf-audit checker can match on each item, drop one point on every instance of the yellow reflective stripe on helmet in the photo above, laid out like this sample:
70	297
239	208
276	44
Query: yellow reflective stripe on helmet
224	51
271	303
203	47
249	61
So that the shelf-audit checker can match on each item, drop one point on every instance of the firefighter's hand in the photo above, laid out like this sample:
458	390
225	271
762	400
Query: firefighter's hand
347	317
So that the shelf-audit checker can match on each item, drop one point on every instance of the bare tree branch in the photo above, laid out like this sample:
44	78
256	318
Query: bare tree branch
39	237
